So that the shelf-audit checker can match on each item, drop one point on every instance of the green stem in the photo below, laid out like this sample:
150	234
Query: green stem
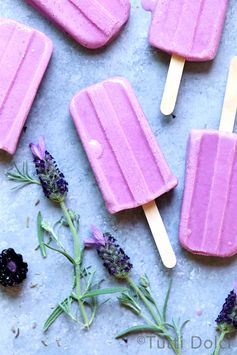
77	254
172	343
154	315
218	346
143	298
77	249
147	319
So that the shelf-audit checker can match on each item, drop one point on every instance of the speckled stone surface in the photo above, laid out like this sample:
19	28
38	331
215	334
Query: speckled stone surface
199	284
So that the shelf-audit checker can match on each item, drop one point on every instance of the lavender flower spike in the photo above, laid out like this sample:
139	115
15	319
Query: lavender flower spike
114	258
227	319
52	180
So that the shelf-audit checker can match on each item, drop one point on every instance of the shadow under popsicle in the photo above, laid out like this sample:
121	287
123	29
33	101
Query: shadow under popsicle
5	158
127	217
209	261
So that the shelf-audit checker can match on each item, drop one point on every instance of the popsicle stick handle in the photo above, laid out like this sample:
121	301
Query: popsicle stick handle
160	234
172	85
230	102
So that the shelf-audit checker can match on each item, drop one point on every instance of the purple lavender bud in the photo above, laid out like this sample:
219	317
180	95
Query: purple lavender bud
227	319
38	150
114	258
52	180
97	239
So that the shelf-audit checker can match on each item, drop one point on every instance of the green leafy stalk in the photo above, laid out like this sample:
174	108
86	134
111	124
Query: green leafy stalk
77	258
159	325
118	264
88	296
144	299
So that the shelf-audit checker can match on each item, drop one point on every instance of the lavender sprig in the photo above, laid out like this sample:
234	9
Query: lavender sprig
118	264
227	318
55	188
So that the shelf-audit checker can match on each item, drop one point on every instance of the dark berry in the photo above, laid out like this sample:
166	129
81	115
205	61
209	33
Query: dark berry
13	269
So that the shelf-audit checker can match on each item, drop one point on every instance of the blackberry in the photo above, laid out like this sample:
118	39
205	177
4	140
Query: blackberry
13	269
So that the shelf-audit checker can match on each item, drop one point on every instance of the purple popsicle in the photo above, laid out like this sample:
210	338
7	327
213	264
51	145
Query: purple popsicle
129	166
24	56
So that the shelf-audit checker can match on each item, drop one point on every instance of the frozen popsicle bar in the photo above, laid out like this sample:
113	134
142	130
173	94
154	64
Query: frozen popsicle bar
129	166
126	159
92	23
189	29
208	220
24	57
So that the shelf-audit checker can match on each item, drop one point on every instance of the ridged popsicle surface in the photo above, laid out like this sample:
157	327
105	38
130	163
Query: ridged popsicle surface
92	23
24	57
208	220
188	28
128	164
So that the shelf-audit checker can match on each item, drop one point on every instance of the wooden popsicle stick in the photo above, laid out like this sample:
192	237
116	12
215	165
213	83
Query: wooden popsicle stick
160	234
172	85
230	102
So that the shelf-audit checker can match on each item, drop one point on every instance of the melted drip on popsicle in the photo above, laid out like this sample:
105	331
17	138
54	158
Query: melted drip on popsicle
96	148
149	5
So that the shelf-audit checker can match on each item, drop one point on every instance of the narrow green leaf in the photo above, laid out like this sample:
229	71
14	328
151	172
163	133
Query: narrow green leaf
94	309
56	313
89	281
183	325
66	305
103	291
53	316
40	233
166	301
137	328
63	253
128	301
21	176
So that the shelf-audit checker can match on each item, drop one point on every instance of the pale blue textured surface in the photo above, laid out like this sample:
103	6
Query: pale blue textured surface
200	284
